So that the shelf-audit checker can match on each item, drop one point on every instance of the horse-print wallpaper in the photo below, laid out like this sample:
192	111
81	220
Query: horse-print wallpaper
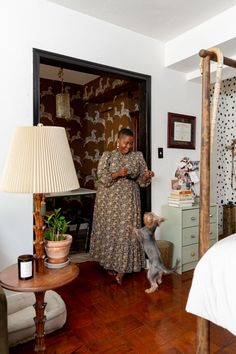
94	122
226	131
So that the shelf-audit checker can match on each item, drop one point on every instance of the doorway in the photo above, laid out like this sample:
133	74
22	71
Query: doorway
107	84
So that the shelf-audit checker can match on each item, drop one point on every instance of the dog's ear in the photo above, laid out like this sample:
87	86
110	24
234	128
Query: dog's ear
160	220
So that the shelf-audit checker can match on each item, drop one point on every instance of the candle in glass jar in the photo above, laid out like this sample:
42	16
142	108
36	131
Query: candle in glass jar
25	266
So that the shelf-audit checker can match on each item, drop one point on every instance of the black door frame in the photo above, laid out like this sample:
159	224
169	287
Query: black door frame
144	136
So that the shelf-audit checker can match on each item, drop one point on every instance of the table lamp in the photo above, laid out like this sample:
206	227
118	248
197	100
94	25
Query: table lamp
39	162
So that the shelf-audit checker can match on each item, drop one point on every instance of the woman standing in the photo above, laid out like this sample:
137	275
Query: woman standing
118	208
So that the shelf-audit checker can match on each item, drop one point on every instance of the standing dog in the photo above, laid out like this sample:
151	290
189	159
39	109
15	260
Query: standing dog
146	237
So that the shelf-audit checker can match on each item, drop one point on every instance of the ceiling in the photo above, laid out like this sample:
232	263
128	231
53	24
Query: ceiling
159	19
169	21
71	76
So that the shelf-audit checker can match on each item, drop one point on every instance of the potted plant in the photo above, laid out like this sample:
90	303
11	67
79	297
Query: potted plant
57	242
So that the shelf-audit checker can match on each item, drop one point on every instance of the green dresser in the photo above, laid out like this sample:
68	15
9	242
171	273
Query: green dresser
181	228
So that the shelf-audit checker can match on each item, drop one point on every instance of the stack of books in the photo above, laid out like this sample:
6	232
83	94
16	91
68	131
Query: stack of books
181	198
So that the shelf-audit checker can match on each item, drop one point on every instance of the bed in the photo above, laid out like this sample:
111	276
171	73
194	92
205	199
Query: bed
213	292
211	281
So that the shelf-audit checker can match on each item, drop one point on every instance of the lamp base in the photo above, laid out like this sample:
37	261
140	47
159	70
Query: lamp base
39	229
39	263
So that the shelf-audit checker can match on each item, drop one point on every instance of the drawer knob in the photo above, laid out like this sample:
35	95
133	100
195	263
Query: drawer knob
193	254
193	236
193	218
211	215
210	233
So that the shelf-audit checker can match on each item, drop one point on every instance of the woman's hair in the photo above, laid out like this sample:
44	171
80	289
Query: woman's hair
125	131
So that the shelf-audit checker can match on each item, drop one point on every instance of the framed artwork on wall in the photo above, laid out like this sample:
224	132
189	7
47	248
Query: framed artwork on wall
181	131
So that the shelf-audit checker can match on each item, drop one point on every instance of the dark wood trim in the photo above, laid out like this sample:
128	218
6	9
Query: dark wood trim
144	139
36	88
71	63
143	82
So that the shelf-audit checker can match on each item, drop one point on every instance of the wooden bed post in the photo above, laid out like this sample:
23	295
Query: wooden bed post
203	326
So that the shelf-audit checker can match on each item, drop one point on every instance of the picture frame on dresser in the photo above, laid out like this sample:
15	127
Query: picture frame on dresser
181	131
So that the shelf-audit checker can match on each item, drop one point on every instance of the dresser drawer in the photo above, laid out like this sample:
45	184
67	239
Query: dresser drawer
213	214
213	231
188	266
212	242
190	235
190	217
190	253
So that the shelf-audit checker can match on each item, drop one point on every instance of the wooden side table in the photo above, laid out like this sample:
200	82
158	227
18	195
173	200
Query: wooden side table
39	284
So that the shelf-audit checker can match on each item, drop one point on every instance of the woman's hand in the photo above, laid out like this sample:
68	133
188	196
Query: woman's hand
122	172
147	175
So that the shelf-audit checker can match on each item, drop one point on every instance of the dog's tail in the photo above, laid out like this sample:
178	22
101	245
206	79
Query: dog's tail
171	270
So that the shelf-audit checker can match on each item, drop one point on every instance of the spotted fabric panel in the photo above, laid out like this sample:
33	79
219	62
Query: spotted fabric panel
226	131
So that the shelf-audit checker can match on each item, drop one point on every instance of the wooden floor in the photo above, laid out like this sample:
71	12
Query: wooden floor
104	317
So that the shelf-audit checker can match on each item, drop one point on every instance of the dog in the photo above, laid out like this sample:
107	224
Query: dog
145	236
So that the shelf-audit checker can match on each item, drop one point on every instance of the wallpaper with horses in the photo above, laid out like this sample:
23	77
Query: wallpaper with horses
99	110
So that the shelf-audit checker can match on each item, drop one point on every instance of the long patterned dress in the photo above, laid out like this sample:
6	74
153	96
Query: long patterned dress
117	210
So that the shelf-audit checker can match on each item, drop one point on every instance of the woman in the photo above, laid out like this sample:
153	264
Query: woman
117	208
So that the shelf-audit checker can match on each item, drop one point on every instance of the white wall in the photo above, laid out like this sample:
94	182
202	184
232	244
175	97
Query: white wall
40	24
173	94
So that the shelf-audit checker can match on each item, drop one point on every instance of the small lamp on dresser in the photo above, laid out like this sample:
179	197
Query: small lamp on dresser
39	162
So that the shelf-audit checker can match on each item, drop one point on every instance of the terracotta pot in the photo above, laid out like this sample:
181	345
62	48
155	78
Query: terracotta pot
58	251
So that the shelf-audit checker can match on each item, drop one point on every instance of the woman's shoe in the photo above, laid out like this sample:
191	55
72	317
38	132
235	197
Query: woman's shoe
119	278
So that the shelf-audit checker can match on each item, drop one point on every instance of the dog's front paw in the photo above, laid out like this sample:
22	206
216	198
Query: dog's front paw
151	290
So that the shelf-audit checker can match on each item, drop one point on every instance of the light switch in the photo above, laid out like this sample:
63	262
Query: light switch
160	153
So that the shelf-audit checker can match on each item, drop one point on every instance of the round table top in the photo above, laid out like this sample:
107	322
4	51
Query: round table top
49	280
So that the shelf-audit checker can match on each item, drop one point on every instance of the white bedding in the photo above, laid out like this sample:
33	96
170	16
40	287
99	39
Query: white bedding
213	291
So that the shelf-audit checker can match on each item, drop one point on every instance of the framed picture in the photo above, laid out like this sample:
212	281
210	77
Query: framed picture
181	131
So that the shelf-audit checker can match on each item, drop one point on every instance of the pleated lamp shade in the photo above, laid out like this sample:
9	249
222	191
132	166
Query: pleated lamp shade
39	161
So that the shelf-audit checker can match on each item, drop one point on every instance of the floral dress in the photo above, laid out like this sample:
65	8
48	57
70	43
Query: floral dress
117	210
